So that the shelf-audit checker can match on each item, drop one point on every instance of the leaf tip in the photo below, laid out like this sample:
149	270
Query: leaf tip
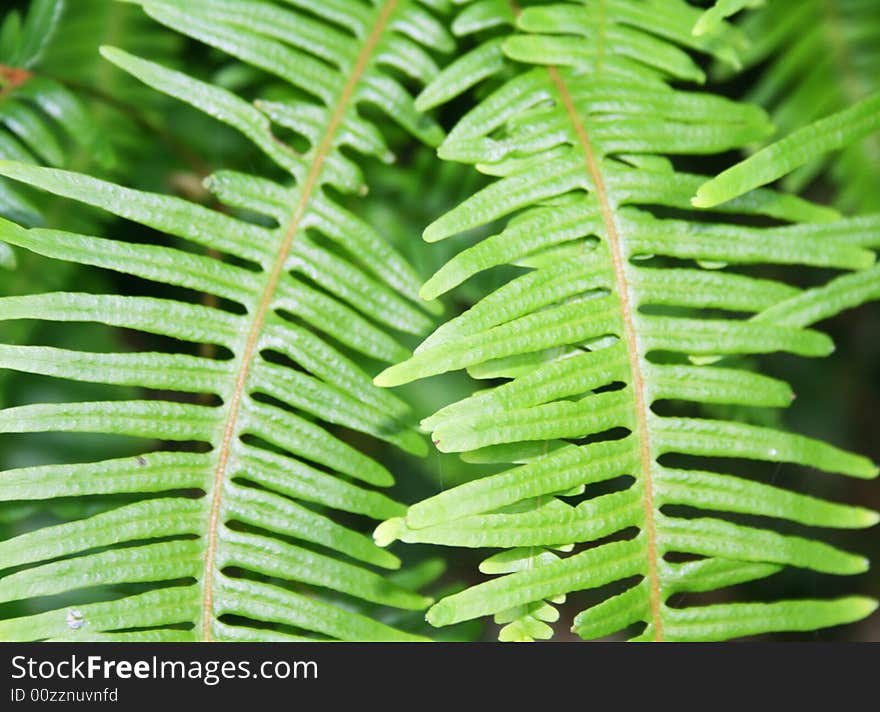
870	518
439	615
389	378
857	607
388	532
111	53
702	199
433	233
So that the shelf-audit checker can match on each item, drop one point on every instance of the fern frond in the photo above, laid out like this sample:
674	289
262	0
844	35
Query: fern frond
86	25
41	121
818	58
62	106
23	39
620	308
240	531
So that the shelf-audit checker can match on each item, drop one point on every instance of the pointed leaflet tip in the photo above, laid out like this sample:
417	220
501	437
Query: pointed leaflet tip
851	609
869	518
439	615
434	232
388	378
125	61
408	369
388	531
425	102
19	171
112	54
9	229
701	27
702	200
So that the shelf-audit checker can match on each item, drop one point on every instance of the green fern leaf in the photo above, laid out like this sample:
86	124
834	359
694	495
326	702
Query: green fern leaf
240	532
781	158
615	311
819	58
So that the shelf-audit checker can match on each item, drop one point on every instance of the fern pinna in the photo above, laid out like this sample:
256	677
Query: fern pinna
627	299
235	536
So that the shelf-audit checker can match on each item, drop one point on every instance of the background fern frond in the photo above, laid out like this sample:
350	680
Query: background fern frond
244	517
817	58
843	130
39	116
627	303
